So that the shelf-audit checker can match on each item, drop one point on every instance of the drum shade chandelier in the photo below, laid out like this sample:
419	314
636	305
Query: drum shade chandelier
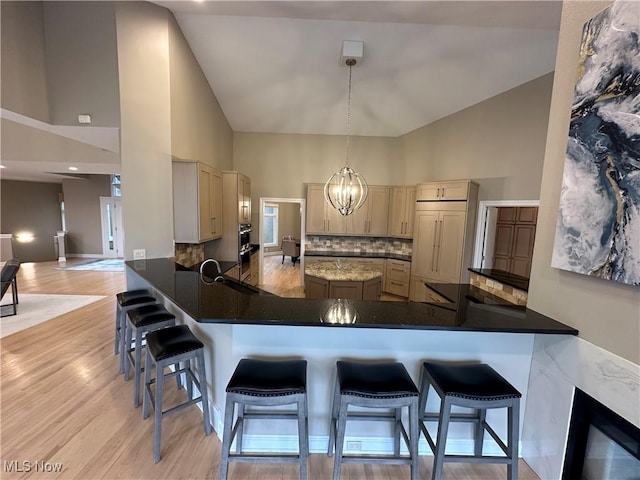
346	190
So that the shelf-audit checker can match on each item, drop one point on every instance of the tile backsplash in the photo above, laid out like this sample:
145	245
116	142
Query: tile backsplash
189	254
513	295
320	243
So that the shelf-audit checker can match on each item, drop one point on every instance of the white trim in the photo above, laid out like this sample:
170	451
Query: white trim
483	206
86	255
303	210
370	445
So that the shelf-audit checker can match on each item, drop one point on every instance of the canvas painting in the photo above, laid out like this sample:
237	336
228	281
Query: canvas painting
598	229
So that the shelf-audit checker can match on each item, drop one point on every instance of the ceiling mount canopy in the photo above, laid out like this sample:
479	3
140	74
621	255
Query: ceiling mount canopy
346	190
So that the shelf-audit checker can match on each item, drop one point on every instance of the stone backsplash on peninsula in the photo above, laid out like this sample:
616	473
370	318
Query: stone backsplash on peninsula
378	245
511	294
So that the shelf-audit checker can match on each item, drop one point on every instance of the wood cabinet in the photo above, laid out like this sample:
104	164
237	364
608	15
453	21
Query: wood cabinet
444	191
373	216
397	277
321	217
515	235
442	241
402	211
197	202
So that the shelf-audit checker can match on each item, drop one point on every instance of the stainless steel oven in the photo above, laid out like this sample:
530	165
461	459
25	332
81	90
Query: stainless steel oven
245	263
244	247
244	236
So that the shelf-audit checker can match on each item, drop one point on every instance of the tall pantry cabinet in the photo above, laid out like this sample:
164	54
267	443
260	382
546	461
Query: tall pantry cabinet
236	209
443	233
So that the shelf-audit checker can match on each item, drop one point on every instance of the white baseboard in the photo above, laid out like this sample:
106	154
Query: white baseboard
369	445
86	255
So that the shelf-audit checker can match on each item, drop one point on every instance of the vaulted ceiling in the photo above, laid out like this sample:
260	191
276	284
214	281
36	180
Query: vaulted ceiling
275	66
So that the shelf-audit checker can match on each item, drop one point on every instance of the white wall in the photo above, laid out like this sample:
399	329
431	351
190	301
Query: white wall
145	128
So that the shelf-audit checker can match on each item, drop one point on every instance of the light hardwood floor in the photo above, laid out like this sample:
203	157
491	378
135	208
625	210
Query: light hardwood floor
63	402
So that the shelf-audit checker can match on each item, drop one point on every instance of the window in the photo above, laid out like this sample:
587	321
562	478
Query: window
115	186
270	233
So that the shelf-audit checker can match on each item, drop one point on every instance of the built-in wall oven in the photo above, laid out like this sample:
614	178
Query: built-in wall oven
244	246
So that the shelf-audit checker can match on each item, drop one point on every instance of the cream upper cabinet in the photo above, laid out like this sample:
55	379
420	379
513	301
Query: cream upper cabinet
197	202
244	199
321	217
210	192
402	211
373	216
370	219
237	198
439	191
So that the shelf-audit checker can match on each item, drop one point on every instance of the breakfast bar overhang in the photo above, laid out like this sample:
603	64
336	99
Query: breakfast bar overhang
236	323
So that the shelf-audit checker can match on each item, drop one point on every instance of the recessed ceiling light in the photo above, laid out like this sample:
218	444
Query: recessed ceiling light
2	166
73	169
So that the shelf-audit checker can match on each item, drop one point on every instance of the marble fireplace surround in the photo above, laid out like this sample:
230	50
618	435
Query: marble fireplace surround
558	366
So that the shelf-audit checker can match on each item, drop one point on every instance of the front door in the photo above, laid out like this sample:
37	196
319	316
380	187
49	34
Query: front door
112	232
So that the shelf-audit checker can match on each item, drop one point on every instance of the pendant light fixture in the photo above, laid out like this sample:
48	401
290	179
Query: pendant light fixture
346	190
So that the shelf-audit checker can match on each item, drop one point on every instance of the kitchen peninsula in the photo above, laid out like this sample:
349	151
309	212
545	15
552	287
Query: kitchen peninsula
235	323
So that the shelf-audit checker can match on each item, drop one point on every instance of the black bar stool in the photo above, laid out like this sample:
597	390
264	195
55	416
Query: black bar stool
173	345
476	386
377	385
125	302
141	321
265	383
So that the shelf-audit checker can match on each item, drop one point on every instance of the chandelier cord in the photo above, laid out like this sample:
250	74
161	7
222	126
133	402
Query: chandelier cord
350	63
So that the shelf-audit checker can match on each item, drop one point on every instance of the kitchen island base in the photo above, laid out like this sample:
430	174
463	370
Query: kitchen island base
225	345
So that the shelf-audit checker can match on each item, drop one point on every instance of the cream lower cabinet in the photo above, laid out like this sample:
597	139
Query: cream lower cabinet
197	202
255	269
402	211
396	277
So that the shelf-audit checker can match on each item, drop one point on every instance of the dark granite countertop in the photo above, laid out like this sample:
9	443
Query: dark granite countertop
506	278
322	253
209	302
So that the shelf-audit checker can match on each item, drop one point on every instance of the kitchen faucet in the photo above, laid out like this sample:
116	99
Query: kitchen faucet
219	277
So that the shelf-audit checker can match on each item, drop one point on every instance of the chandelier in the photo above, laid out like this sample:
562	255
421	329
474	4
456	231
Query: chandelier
346	190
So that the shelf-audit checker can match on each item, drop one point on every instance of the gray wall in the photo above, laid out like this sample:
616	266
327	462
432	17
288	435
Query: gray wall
606	313
199	129
82	63
499	143
82	213
31	207
22	56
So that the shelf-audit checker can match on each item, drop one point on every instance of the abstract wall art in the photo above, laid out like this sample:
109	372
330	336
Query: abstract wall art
598	229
